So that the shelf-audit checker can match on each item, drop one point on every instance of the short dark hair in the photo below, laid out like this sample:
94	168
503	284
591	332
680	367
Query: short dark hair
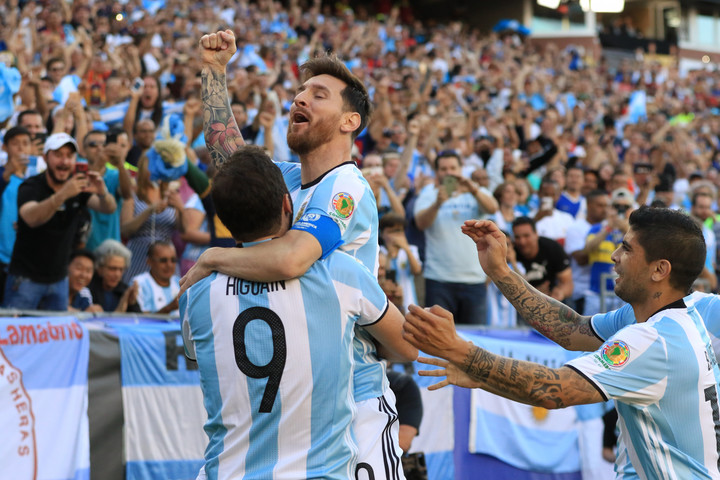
447	154
158	243
248	191
355	95
14	132
598	192
25	113
391	219
82	252
672	235
93	132
524	221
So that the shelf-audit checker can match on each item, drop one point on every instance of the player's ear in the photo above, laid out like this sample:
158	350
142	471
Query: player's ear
661	270
287	204
350	121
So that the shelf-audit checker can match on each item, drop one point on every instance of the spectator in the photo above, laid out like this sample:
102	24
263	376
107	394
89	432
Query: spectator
450	280
598	204
549	220
80	272
571	199
403	259
547	266
158	288
16	143
195	232
107	287
701	210
101	149
506	195
153	213
602	240
48	215
143	137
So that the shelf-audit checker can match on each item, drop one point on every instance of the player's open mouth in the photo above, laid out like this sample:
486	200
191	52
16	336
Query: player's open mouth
299	118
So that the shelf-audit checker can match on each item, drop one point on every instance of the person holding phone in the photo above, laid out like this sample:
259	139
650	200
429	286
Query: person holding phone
450	280
49	205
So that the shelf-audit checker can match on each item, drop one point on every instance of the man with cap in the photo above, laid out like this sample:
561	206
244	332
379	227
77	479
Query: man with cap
48	215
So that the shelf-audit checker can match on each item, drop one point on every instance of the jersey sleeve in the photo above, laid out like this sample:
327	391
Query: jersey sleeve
631	366
323	228
355	283
185	326
339	210
605	325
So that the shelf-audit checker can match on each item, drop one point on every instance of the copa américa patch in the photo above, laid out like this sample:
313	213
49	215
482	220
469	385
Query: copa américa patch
344	204
616	353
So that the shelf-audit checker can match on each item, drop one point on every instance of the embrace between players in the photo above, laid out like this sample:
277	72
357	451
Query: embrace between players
292	381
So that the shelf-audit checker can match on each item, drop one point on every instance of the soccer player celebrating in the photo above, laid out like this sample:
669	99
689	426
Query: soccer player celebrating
660	370
275	358
333	207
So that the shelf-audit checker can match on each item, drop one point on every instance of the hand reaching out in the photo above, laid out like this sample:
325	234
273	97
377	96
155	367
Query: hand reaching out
491	245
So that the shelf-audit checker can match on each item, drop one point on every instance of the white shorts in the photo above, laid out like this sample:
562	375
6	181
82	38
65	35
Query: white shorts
376	430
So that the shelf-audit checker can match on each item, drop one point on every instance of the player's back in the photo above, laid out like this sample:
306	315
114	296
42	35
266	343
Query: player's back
275	364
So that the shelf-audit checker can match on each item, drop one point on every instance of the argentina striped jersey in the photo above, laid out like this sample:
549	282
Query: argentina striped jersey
663	376
343	196
276	369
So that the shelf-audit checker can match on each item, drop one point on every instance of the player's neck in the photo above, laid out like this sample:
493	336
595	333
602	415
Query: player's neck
324	158
656	301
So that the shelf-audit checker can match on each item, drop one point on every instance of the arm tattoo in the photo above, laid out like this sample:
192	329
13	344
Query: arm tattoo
222	134
527	382
548	316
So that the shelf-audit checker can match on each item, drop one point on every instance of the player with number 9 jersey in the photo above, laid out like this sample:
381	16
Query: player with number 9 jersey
275	364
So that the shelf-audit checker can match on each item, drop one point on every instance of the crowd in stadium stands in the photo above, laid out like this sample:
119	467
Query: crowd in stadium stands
554	146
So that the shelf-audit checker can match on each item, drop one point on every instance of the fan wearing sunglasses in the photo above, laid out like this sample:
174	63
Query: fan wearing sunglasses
158	288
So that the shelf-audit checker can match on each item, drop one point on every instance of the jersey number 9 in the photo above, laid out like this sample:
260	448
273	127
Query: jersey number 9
273	370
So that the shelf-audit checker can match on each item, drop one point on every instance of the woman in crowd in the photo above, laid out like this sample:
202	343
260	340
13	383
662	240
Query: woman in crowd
153	213
107	288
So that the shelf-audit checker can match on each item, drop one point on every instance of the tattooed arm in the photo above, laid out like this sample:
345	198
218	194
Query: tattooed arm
432	330
222	135
517	380
548	316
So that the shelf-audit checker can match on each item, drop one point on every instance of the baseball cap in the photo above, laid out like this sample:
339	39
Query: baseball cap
58	140
622	194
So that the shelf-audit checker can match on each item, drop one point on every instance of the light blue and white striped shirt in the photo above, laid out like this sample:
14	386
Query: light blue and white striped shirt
343	198
663	376
151	296
276	369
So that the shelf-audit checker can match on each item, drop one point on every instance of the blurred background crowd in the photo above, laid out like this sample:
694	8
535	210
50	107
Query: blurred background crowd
556	145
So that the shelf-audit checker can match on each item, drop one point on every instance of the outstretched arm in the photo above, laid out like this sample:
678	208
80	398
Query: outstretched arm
548	316
433	331
222	134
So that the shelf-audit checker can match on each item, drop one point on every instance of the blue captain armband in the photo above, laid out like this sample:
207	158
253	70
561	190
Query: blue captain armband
323	228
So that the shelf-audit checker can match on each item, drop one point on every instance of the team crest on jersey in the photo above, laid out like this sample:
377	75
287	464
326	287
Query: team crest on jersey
616	353
343	204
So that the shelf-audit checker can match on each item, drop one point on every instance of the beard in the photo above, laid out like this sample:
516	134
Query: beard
54	177
314	137
484	155
629	291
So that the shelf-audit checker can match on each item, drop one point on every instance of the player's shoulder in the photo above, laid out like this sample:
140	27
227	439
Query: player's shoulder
202	287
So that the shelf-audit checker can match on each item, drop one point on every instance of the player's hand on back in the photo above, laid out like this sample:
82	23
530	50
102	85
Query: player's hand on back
200	270
217	49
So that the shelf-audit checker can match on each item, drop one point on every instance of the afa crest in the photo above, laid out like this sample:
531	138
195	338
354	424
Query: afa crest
616	353
343	204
